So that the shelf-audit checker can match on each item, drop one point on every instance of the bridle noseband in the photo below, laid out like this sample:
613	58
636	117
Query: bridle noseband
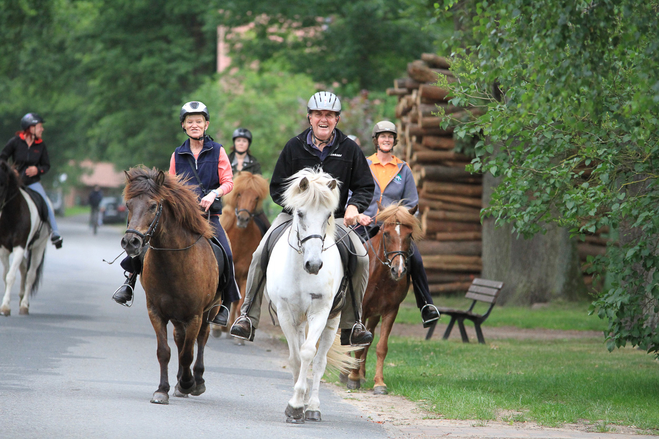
249	212
390	256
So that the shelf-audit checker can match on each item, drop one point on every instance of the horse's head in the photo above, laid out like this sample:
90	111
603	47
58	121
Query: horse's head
312	196
249	191
399	229
9	183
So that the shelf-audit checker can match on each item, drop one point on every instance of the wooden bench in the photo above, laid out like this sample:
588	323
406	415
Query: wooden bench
481	290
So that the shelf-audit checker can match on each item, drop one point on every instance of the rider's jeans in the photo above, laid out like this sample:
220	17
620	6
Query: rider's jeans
51	214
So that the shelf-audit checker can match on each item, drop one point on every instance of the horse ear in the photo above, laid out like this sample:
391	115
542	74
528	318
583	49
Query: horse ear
127	175
160	178
414	209
331	184
304	184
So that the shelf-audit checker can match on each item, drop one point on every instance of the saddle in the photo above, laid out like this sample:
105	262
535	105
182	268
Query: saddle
346	251
39	201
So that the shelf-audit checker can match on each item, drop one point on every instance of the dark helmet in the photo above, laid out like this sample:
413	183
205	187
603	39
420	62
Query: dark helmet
30	119
242	132
194	107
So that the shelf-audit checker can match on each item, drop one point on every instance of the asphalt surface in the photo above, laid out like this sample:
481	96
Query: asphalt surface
81	366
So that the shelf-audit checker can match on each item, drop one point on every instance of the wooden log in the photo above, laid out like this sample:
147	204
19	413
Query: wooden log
465	190
397	92
442	215
446	173
434	60
421	72
584	249
442	276
429	94
460	236
597	240
430	227
436	289
425	110
438	142
466	201
416	130
453	262
460	116
462	248
404	106
439	156
406	84
441	205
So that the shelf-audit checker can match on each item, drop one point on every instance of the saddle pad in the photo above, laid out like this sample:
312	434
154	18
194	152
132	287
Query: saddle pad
42	208
347	252
270	243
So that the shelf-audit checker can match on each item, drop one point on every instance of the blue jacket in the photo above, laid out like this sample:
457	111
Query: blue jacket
206	165
401	187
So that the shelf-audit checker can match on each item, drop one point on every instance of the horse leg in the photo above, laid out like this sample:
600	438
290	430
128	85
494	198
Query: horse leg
379	387
163	352
10	277
188	333
294	413
29	276
357	376
198	370
23	295
312	412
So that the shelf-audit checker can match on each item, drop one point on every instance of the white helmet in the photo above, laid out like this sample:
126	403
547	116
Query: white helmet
324	100
194	107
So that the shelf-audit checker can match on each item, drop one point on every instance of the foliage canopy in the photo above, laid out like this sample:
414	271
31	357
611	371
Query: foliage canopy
574	117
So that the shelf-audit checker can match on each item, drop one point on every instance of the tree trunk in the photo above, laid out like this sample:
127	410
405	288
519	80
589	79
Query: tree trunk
536	270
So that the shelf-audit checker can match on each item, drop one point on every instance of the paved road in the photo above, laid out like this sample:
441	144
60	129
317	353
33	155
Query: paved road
80	366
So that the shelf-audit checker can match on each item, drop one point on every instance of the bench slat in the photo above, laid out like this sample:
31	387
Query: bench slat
483	290
481	297
488	283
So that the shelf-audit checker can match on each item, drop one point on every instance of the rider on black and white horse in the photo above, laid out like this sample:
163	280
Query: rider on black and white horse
29	154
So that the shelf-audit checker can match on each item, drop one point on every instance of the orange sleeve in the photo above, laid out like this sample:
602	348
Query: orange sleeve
224	172
172	165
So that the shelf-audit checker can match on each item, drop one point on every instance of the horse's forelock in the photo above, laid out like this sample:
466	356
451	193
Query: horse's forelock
318	193
247	181
399	213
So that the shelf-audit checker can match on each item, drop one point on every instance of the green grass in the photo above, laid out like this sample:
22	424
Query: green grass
549	382
557	315
77	210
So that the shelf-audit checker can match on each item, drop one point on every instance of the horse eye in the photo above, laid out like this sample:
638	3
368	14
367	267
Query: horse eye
300	215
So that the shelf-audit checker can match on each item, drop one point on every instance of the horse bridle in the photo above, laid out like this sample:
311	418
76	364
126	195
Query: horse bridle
390	256
152	228
249	212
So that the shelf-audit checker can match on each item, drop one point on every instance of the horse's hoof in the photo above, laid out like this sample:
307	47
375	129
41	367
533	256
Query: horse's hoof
23	311
181	392
380	390
5	311
312	415
294	415
160	398
343	377
354	384
216	331
199	389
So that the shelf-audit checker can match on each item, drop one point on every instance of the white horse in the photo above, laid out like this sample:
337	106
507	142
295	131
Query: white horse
23	240
303	276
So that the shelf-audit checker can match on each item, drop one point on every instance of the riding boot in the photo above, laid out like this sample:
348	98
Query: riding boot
56	239
358	335
222	316
242	328
124	294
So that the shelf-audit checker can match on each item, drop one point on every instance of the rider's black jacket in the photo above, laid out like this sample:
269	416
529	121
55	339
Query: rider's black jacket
24	157
345	162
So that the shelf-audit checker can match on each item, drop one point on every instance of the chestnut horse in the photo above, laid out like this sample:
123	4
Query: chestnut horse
388	282
241	205
180	273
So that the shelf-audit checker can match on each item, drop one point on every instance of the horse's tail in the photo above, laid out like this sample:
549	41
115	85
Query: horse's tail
38	275
339	358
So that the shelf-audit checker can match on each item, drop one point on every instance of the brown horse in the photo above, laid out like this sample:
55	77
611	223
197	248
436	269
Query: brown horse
241	205
180	273
388	282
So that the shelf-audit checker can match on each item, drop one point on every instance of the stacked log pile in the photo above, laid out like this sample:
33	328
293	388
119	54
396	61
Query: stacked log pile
449	196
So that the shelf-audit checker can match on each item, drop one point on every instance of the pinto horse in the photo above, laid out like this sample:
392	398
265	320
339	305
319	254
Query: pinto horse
241	205
302	278
180	273
388	251
23	237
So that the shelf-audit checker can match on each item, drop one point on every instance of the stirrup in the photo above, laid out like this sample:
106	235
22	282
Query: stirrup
250	337
126	284
359	324
218	315
429	305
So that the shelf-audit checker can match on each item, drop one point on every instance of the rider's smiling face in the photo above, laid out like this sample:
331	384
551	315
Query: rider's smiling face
323	123
195	125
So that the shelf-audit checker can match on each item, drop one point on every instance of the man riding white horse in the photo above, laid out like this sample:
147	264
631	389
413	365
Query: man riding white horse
321	145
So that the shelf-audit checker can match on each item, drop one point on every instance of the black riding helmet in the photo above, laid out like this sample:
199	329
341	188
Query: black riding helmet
242	132
30	119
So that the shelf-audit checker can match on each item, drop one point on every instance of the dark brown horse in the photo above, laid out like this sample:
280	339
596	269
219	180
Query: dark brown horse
179	274
241	205
388	282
